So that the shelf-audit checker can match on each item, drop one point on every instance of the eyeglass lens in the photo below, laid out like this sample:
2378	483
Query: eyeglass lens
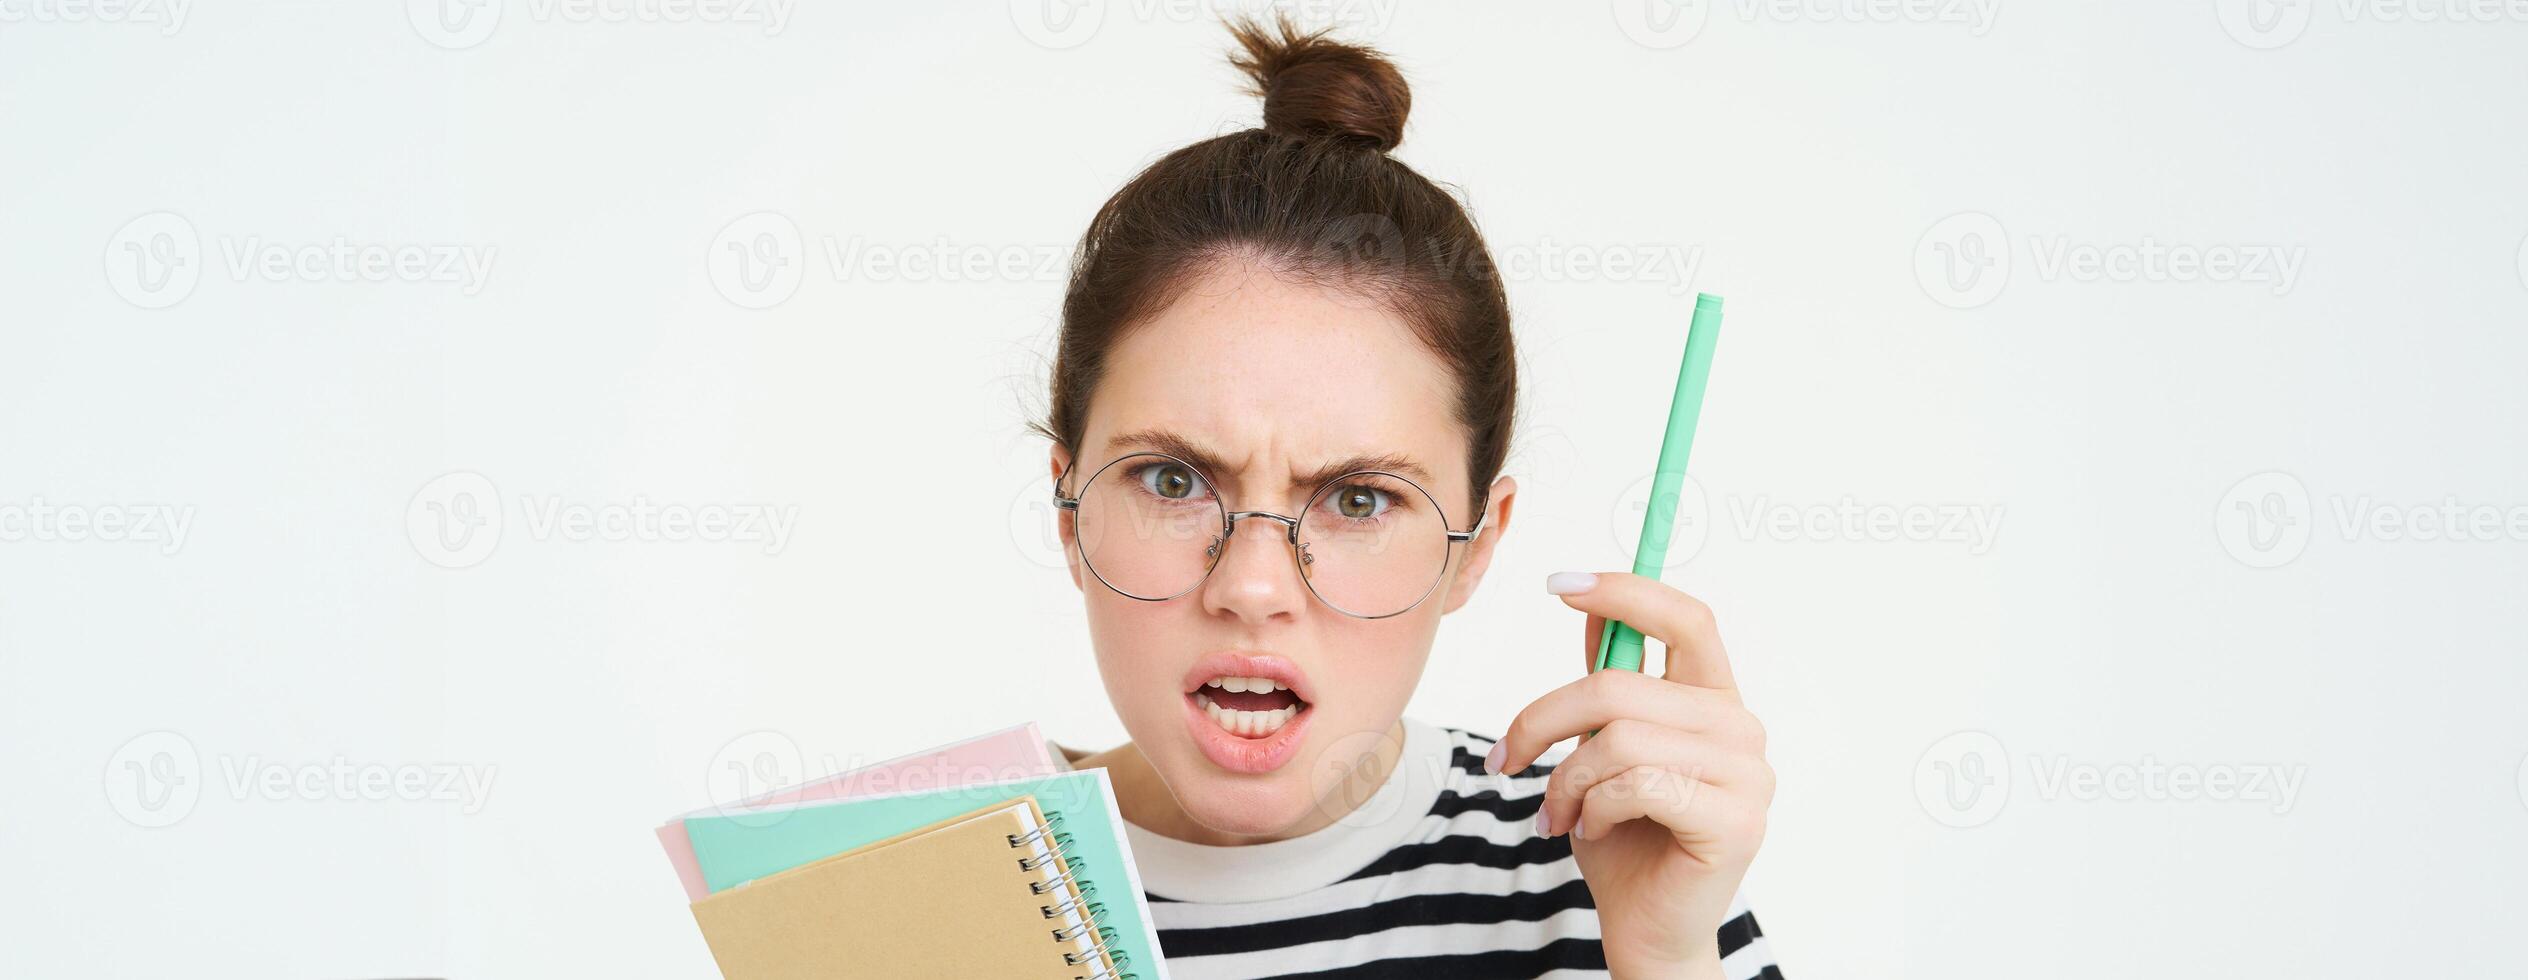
1369	544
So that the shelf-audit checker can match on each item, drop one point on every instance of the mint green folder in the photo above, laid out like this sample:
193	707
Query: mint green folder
740	846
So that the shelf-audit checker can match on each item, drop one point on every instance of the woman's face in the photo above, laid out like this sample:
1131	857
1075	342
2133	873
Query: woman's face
1263	382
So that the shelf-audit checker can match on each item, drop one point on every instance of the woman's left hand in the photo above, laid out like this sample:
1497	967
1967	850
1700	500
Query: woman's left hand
1666	803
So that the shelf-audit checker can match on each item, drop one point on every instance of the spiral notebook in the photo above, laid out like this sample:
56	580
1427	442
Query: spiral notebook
739	852
982	894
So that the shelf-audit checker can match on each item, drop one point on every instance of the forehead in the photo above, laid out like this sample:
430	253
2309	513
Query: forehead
1277	374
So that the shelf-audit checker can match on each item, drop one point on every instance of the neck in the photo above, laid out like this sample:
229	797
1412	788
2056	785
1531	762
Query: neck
1143	795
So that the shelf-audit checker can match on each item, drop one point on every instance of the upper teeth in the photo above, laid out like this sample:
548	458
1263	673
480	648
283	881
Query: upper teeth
1259	685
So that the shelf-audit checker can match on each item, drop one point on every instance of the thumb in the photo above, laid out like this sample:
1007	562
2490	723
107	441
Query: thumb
1589	635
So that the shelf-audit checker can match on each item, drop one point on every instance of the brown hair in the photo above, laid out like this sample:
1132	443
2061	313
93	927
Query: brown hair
1314	194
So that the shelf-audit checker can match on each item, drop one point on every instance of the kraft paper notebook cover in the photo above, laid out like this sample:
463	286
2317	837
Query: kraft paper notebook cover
1010	753
984	894
735	848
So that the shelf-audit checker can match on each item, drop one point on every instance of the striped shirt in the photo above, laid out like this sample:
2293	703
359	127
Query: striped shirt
1438	874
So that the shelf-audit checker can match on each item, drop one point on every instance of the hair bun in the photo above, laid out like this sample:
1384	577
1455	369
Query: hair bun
1315	88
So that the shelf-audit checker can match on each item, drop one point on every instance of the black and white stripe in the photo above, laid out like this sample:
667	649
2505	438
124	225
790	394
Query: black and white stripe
1471	891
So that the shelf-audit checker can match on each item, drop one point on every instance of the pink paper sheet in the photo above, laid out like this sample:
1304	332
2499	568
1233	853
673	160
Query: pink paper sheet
1011	753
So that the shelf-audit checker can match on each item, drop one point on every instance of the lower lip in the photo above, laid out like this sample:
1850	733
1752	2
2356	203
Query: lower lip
1238	753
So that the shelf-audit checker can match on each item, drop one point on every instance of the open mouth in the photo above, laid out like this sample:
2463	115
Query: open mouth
1247	711
1248	707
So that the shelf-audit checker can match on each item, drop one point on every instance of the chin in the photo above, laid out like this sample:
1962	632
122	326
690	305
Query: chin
1241	806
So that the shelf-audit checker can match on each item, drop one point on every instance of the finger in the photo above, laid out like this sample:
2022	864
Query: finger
1601	697
1590	633
1681	623
1626	744
1710	820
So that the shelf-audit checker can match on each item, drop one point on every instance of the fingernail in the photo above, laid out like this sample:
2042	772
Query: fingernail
1544	822
1492	759
1575	829
1566	583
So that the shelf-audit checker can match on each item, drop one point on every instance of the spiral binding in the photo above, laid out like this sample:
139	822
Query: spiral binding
1077	897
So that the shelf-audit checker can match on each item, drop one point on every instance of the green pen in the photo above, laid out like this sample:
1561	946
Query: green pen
1620	645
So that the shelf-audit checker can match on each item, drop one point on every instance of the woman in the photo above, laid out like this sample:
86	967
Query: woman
1279	411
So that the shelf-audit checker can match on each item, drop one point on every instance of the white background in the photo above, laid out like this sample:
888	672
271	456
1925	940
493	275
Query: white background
2144	601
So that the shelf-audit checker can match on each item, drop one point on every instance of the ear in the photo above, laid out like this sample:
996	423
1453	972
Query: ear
1063	520
1496	522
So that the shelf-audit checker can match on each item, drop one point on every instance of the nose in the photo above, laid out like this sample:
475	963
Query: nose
1257	579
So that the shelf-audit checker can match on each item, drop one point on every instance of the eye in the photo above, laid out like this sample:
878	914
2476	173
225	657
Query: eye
1360	502
1171	481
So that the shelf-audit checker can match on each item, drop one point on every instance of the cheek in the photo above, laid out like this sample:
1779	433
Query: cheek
1136	639
1375	665
1378	662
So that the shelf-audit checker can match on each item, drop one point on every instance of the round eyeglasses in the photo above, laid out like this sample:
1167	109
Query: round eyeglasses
1369	544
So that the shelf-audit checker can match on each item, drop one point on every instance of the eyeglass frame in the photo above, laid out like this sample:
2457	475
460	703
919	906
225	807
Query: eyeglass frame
1299	556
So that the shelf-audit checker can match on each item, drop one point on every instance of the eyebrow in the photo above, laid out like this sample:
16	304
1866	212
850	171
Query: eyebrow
1173	444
